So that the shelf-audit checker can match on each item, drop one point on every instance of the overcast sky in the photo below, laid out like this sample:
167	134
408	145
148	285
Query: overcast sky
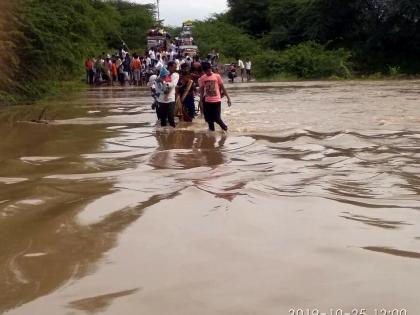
174	12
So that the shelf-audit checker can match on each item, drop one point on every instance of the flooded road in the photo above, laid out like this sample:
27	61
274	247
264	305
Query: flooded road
311	201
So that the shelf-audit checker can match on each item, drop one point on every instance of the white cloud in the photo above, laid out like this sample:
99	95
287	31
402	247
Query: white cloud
174	12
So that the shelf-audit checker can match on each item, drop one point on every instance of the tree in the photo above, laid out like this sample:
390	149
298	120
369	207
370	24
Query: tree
251	15
135	20
44	41
10	39
228	40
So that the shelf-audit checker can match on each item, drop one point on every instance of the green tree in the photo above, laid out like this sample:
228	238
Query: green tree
228	40
10	39
135	20
45	41
251	15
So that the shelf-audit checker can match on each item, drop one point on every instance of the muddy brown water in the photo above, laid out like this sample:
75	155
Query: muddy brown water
310	201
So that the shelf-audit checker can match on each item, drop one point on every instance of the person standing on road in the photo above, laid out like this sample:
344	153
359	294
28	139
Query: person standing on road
114	70
127	69
248	67
241	67
211	86
136	69
89	70
153	57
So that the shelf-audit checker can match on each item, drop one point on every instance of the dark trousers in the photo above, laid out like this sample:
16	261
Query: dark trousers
166	113
121	78
212	112
91	77
190	108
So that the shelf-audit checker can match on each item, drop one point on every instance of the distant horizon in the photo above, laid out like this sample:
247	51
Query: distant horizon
175	12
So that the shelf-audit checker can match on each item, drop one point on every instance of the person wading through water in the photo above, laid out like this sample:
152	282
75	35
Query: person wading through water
211	86
166	89
185	93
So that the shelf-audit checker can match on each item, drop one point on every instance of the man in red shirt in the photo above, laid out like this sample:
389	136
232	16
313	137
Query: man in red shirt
211	86
89	71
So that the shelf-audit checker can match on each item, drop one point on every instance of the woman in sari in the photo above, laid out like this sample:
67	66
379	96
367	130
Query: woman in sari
186	94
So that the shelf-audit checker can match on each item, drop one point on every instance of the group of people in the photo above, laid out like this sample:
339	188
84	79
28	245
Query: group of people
120	67
176	81
137	69
175	90
240	68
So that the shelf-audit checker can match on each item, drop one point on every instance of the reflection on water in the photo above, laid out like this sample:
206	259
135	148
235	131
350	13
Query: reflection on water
311	200
187	149
99	303
395	252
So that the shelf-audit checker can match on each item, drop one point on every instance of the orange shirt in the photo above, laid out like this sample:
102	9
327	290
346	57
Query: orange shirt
136	64
114	69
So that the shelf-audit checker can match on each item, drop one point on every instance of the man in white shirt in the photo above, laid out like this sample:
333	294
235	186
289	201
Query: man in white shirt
148	63
167	93
241	66
160	63
248	67
172	55
152	56
187	60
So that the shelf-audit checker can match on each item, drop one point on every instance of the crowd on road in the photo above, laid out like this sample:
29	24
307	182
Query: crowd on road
125	69
240	69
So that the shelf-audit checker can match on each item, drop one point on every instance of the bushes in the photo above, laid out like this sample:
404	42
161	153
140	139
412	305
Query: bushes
312	60
307	60
10	40
378	32
268	64
44	41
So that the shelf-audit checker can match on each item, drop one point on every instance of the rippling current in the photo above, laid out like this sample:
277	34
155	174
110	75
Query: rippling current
310	201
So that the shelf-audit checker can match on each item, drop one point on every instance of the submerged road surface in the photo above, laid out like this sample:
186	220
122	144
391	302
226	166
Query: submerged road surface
311	201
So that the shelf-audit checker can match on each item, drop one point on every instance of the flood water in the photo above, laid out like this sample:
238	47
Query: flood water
312	200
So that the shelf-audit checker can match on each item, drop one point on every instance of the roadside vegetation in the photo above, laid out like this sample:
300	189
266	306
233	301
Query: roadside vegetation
313	39
43	43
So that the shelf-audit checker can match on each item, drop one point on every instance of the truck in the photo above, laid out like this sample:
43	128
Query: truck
190	50
187	27
158	38
185	42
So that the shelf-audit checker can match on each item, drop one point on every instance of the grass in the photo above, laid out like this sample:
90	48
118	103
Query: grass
52	105
34	92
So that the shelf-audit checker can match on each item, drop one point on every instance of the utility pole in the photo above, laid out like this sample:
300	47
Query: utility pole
158	10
